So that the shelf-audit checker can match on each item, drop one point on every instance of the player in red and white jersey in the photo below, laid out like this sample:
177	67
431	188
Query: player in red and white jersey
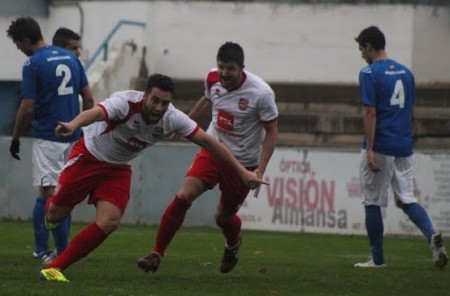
239	114
127	132
244	118
118	129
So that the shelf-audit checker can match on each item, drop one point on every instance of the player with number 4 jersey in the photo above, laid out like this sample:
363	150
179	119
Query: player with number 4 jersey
390	88
388	97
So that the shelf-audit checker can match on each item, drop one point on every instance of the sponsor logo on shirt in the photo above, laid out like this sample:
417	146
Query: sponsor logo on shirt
135	144
243	104
136	122
225	120
58	58
157	132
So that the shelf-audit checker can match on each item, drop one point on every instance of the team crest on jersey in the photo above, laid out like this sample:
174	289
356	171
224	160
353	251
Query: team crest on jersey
217	91
243	104
157	132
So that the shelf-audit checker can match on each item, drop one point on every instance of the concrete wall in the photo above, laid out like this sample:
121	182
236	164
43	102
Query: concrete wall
283	42
309	191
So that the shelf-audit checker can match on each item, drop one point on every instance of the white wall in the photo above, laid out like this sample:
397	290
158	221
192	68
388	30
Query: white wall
283	42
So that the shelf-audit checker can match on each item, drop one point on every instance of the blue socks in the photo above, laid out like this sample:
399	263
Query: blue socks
420	218
61	235
41	234
375	231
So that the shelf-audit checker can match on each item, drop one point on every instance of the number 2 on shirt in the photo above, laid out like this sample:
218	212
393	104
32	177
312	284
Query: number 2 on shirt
64	71
398	97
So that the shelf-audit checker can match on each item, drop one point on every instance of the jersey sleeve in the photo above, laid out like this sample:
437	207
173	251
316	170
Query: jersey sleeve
181	124
29	80
267	109
367	87
210	80
116	107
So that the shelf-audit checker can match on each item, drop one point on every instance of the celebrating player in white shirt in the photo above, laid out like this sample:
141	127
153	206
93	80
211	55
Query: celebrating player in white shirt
118	129
244	118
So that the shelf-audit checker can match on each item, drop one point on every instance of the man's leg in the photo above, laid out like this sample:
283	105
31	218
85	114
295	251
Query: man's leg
61	235
41	233
233	196
171	221
87	240
375	231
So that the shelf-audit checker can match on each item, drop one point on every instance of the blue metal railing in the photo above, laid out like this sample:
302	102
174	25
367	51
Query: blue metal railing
104	45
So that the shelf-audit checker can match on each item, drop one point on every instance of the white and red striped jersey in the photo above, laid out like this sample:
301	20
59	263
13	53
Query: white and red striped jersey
125	134
237	115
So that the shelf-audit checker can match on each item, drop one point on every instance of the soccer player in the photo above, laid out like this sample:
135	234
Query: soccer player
118	129
52	79
67	39
388	97
244	118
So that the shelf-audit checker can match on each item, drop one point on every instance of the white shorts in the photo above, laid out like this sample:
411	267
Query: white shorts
48	159
395	171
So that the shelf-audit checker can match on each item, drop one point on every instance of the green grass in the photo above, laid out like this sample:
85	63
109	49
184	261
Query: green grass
270	264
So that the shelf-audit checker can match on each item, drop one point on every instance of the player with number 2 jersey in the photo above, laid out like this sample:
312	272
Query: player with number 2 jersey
53	78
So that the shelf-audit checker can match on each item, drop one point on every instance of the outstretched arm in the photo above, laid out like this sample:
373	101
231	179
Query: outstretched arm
220	151
65	129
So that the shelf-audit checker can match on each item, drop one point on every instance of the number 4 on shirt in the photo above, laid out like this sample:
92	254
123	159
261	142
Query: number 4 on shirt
398	97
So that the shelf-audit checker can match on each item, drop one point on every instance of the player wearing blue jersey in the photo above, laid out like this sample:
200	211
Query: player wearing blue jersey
388	97
52	79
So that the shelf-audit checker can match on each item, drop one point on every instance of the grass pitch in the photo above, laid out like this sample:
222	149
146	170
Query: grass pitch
270	264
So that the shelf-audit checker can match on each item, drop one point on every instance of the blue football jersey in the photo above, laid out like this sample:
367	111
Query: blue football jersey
390	88
53	78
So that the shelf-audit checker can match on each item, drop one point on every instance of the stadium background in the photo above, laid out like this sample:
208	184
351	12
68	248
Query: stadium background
294	46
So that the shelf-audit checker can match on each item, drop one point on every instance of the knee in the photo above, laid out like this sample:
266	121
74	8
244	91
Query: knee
221	220
187	196
109	225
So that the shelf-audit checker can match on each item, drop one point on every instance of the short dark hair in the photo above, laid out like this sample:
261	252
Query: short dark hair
231	52
160	81
373	36
62	37
25	27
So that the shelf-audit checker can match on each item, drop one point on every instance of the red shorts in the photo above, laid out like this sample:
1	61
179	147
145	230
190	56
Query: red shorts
85	175
211	170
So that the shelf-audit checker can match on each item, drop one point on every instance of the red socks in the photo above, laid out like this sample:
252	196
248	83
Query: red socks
82	244
231	229
171	221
